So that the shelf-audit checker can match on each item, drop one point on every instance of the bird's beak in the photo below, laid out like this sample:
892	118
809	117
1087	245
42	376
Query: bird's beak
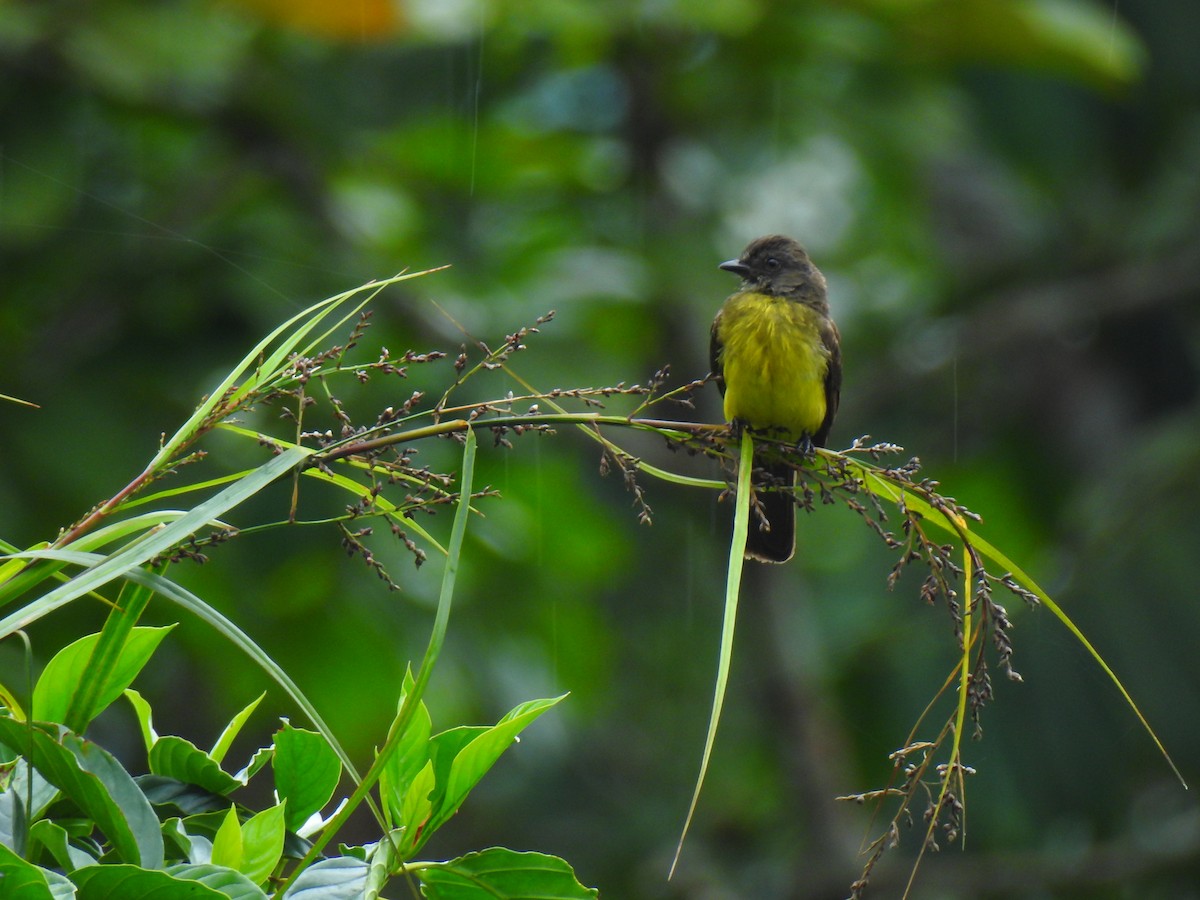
736	267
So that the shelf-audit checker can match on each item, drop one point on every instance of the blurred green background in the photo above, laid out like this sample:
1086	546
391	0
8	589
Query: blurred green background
1005	198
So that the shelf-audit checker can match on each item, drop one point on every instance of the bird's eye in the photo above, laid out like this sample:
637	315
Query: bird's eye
772	263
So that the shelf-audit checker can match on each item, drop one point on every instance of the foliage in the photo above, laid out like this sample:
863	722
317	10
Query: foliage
1003	196
423	778
177	826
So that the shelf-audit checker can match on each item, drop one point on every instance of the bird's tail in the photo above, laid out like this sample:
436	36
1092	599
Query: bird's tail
779	543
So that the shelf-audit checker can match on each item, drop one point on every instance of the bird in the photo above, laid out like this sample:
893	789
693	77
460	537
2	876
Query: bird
775	354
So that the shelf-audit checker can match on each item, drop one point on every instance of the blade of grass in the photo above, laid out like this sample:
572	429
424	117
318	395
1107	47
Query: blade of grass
958	527
265	365
433	650
737	548
154	542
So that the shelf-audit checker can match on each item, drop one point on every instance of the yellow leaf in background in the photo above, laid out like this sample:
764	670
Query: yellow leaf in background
345	20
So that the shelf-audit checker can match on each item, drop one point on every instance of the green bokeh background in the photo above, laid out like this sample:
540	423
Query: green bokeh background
1005	198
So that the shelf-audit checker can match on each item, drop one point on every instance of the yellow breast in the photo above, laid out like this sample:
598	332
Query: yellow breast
774	363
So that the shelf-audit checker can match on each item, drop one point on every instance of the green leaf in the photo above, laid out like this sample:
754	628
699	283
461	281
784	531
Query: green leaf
408	759
307	772
500	874
221	747
72	668
123	882
222	625
181	844
187	798
57	842
261	757
262	843
145	717
432	651
14	817
416	809
22	880
227	845
176	757
95	688
476	758
228	882
444	749
91	777
126	561
733	586
340	878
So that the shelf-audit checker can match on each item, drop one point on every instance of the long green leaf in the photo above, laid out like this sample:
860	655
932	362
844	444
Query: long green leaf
436	638
233	729
733	585
108	667
263	364
152	543
23	880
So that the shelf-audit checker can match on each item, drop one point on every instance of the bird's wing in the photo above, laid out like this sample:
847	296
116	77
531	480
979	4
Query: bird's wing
833	379
715	364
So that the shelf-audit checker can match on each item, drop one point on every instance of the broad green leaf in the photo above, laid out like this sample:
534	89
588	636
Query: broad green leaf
61	887
91	777
474	760
14	817
307	772
340	878
176	757
227	845
110	657
179	842
189	799
262	843
21	880
71	669
500	874
124	882
57	842
221	747
231	884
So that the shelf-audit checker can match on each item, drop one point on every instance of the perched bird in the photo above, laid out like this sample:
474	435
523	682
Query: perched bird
777	359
